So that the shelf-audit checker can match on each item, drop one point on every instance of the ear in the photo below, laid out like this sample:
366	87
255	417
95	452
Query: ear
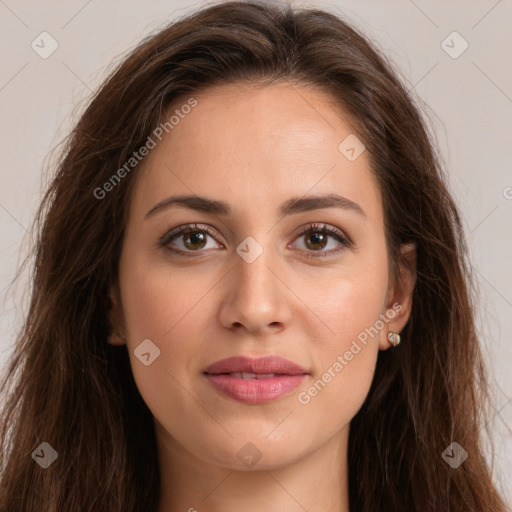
115	317
399	298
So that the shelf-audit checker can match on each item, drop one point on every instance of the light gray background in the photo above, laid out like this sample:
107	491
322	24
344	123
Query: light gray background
470	107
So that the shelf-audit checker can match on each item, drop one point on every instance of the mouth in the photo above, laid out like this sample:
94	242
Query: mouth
255	380
250	375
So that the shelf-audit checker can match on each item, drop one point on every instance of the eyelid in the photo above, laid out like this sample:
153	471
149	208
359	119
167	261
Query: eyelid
333	232
311	227
185	228
323	227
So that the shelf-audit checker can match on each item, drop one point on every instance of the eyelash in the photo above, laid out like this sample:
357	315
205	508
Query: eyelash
311	228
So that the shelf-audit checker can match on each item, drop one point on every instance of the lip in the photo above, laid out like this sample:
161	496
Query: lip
265	364
267	378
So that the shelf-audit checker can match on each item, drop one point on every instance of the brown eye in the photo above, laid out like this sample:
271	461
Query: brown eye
317	237
194	239
318	240
187	239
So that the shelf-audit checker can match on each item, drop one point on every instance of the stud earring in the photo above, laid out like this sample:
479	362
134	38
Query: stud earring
394	338
118	335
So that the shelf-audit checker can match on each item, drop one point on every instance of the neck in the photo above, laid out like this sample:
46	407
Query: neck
317	482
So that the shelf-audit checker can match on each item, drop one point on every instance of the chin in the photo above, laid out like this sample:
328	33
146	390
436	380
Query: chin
255	455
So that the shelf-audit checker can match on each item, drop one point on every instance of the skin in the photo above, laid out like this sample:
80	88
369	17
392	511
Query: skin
255	147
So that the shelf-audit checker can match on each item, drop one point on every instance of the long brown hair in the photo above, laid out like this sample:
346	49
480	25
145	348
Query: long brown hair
66	386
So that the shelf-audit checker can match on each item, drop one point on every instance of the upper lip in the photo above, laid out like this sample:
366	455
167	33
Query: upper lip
265	364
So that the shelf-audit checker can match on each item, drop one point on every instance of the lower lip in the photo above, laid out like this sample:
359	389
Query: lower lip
255	391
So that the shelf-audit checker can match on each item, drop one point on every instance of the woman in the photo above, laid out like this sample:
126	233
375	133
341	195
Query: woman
317	352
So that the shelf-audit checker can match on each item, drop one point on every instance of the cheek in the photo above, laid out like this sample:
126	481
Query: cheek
345	363
351	307
348	303
159	305
158	299
330	402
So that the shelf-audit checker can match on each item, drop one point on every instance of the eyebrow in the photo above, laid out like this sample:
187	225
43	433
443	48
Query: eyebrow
289	207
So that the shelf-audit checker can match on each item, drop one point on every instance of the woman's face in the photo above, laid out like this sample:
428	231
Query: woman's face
245	281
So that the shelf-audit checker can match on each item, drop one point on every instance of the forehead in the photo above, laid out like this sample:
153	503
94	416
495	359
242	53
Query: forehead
245	143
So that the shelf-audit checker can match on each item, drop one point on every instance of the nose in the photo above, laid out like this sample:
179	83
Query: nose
257	298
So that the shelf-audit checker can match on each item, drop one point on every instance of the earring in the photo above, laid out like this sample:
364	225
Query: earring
394	338
121	337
